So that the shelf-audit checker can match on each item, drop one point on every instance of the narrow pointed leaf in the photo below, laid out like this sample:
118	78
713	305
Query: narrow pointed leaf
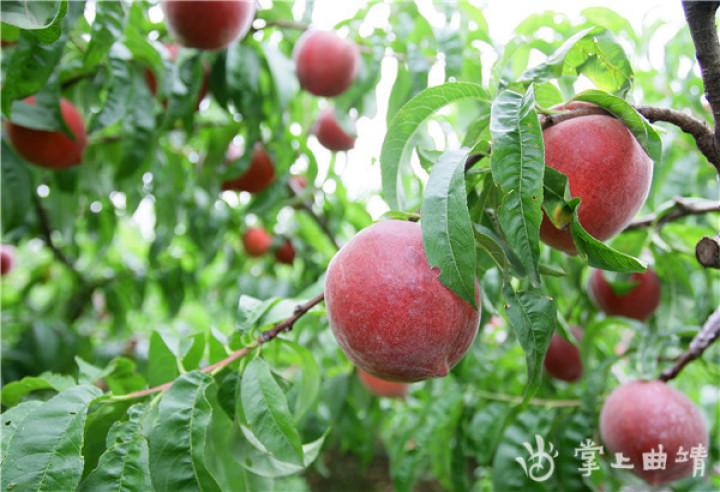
446	226
406	122
267	414
178	437
517	168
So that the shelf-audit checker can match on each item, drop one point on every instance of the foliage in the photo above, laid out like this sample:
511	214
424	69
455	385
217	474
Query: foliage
157	286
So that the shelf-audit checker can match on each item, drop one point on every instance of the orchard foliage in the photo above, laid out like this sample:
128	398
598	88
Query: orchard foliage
140	266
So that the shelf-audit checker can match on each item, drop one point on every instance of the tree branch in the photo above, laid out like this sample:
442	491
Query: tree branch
707	252
709	333
695	127
46	232
682	207
263	338
307	207
700	17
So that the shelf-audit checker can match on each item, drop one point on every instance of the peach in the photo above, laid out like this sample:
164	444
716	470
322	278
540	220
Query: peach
330	134
562	360
7	259
380	387
606	167
50	149
639	303
256	241
209	24
285	253
325	64
388	309
642	416
259	175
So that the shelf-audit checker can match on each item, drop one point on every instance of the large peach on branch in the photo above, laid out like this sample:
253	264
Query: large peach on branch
388	309
606	168
51	149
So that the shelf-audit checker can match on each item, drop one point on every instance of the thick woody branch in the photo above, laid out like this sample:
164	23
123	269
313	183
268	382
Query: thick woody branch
263	338
709	333
682	207
700	17
695	127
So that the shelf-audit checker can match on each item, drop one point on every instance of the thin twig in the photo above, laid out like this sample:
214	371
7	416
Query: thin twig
709	333
682	207
263	338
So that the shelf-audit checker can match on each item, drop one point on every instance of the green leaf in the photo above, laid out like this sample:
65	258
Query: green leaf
29	67
407	121
599	254
532	317
283	74
107	27
307	386
267	413
124	464
601	59
641	128
553	66
12	419
517	163
265	464
41	18
17	188
178	437
162	364
15	391
45	451
562	210
446	226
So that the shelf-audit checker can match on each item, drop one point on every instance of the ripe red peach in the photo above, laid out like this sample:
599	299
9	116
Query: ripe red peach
209	24
285	253
325	64
606	167
50	149
381	387
641	416
330	134
256	241
639	303
259	175
562	360
388	309
7	259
